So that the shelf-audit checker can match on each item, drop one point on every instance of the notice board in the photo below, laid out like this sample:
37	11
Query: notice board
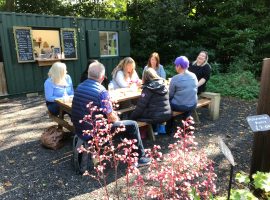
24	44
69	43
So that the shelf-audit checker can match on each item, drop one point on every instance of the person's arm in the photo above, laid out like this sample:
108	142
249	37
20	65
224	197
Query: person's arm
201	82
142	103
70	85
162	72
172	88
120	80
48	90
206	75
106	104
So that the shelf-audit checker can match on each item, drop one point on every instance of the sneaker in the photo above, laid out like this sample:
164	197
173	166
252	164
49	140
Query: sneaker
143	161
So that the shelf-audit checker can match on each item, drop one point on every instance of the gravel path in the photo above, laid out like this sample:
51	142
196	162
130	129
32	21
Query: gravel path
29	171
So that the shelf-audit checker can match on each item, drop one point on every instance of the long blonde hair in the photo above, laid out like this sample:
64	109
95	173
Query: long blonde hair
122	66
206	58
149	74
58	73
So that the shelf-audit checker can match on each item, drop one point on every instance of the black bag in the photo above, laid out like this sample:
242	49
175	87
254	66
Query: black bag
53	138
81	161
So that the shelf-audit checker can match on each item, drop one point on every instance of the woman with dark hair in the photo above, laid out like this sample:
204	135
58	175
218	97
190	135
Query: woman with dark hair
154	62
201	68
84	75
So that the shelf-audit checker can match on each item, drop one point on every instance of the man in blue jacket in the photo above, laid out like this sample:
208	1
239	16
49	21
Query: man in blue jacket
91	90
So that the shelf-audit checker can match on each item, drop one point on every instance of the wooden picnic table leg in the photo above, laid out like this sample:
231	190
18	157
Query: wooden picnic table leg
61	116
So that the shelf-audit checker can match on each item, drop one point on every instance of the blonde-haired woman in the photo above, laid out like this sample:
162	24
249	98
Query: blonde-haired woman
153	106
154	62
124	74
57	85
202	69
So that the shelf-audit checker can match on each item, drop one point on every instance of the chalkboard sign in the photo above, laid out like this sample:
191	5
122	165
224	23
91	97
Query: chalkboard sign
24	44
259	122
69	44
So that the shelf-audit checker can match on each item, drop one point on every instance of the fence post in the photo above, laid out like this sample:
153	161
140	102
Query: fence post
260	160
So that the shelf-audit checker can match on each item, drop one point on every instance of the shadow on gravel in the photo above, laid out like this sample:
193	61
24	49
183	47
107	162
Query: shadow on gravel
29	171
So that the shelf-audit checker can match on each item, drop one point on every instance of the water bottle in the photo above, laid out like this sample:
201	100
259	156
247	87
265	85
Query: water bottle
110	86
65	96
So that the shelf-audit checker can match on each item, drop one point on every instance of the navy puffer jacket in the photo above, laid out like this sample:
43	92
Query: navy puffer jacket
88	91
153	106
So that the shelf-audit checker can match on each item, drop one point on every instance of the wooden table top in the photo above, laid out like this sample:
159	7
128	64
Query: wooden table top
118	95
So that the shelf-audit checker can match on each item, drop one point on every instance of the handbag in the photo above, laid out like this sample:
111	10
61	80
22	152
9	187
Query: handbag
53	138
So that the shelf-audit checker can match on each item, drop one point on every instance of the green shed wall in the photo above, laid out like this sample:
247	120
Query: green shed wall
29	77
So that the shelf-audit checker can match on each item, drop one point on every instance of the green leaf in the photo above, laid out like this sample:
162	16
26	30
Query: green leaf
262	181
242	178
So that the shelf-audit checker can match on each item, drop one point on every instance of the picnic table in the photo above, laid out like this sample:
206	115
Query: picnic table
118	96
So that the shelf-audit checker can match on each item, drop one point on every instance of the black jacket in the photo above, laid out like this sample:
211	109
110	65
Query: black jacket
153	106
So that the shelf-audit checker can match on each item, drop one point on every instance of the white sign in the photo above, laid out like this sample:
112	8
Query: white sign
259	122
226	151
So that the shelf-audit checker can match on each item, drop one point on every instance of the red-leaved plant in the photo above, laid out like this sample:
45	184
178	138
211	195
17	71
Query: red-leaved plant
182	171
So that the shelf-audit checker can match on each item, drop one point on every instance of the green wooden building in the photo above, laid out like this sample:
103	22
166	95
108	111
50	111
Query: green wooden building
31	43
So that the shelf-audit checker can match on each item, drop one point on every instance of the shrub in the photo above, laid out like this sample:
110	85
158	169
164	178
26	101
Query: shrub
242	85
183	173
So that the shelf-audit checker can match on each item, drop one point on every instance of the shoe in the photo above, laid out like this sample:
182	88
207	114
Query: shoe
143	161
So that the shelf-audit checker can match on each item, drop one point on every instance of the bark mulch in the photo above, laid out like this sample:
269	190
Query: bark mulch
29	171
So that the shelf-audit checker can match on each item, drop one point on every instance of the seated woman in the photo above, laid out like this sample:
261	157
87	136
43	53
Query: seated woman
183	88
124	75
201	68
58	85
154	62
153	106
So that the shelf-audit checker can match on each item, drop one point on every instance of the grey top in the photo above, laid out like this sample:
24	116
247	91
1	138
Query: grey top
183	89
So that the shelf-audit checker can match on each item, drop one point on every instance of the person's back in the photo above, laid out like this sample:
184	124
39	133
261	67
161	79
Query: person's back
153	106
86	92
183	89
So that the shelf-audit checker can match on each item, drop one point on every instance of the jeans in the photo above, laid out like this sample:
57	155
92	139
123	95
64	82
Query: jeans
53	108
182	108
132	132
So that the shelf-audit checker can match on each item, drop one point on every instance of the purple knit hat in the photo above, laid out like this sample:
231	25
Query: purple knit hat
182	61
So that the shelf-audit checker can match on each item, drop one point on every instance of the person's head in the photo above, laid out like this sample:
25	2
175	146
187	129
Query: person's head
202	58
127	65
153	60
96	71
58	73
149	75
181	63
46	45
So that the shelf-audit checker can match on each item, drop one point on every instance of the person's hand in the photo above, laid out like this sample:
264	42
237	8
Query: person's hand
113	117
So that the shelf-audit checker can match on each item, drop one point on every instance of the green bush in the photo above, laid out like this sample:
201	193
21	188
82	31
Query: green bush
240	84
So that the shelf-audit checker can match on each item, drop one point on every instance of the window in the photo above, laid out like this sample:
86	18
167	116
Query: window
108	43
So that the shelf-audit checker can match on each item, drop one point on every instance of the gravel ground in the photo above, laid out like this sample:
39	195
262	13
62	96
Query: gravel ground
29	171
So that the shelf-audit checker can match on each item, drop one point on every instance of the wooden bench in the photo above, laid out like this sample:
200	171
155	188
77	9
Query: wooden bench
210	100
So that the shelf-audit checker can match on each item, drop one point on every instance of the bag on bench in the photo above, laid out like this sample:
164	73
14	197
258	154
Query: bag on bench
81	161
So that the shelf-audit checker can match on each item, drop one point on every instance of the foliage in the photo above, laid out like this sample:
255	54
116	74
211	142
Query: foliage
229	31
241	84
261	180
184	172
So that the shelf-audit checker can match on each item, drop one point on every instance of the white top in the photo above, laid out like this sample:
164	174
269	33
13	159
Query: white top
120	82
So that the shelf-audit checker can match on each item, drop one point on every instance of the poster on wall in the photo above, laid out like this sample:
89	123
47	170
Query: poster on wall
69	43
24	44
